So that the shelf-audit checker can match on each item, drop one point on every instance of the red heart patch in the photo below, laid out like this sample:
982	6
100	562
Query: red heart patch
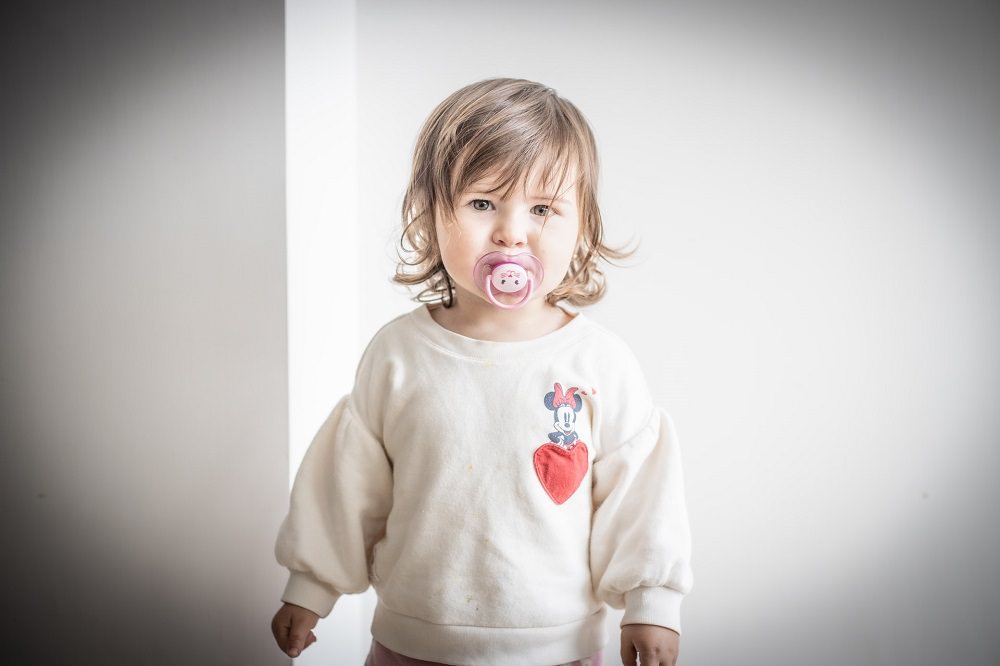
561	470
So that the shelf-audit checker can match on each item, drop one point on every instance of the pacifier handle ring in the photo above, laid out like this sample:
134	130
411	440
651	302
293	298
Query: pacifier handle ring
529	289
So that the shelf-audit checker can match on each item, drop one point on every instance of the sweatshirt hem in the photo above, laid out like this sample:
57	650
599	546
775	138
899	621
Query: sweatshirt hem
489	646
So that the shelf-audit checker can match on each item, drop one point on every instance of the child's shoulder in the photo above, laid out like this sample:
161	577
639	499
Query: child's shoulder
386	348
610	354
615	345
391	333
400	324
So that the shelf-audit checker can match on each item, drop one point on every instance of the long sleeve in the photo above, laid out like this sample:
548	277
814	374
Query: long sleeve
338	508
640	536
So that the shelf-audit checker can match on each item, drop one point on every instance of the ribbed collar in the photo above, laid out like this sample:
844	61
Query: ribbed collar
494	351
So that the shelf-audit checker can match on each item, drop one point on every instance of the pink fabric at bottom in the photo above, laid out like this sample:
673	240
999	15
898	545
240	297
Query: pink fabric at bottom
380	655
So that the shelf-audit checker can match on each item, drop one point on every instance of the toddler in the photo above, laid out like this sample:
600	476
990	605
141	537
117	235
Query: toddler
499	472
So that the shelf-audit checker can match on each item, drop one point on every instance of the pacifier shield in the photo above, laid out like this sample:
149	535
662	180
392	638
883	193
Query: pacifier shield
508	274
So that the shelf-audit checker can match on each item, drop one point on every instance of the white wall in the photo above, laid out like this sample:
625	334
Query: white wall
323	263
815	298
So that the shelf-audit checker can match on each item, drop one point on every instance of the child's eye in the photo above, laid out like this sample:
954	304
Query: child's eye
544	210
476	203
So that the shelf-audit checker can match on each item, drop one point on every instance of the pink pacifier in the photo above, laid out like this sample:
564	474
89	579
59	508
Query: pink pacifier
509	274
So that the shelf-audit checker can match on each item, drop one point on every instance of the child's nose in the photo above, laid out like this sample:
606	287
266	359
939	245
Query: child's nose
511	231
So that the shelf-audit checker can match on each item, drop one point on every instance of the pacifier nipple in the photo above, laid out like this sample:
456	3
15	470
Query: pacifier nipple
508	274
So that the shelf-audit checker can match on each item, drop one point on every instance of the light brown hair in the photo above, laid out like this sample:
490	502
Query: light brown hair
505	128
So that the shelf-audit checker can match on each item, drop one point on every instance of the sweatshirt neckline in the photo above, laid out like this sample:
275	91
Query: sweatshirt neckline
493	350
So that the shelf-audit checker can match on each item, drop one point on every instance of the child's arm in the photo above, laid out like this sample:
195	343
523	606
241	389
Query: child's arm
338	509
641	540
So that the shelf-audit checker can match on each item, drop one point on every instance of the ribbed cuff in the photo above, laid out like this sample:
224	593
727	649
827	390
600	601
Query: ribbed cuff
304	590
653	605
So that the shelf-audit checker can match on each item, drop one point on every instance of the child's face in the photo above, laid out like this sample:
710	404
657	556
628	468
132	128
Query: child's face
486	223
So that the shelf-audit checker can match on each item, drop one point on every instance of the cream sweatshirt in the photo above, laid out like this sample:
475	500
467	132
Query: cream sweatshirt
496	495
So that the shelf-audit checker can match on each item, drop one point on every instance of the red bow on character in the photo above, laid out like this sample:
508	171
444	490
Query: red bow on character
564	398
